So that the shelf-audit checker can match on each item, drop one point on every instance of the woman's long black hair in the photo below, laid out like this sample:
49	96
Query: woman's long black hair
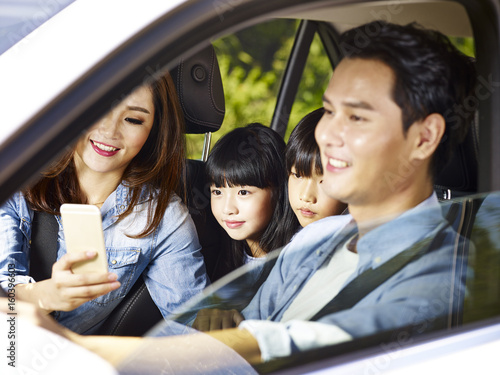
254	155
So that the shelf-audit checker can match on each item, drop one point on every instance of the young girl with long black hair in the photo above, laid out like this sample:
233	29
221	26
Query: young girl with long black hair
247	174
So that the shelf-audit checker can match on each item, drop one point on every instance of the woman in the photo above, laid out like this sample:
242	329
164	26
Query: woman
129	164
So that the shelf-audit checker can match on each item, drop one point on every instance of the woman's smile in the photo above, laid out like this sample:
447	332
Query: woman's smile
103	149
115	140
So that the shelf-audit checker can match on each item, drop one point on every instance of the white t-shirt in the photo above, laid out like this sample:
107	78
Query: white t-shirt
274	337
250	259
323	286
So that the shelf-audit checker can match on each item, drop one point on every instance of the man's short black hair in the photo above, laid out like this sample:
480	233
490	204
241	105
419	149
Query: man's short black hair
431	76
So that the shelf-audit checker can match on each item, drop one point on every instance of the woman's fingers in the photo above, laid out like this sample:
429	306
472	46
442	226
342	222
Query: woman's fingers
63	277
89	292
67	290
67	299
68	259
69	280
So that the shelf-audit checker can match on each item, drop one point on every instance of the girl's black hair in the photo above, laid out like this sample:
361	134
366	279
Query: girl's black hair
254	155
302	151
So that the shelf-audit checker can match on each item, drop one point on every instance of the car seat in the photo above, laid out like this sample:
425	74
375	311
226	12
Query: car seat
201	95
476	218
458	179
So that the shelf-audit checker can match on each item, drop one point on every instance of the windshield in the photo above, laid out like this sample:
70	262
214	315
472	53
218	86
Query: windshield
326	293
444	277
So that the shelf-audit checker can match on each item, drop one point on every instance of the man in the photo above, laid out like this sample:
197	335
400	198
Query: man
385	134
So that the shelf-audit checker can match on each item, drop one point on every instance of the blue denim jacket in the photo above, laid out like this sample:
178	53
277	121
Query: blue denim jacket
423	291
169	259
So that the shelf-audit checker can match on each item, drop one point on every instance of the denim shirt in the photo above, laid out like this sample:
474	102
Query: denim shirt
169	259
419	294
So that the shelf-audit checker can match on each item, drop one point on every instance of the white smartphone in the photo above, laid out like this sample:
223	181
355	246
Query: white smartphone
82	225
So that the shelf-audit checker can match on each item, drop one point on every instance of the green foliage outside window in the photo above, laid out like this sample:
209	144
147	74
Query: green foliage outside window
252	63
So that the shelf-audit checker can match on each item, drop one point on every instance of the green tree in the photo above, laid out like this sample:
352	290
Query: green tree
252	62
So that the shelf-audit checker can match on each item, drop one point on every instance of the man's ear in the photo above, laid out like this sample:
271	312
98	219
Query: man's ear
429	133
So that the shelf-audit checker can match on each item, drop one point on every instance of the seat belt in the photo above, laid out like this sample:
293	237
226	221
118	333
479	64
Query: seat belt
370	279
43	251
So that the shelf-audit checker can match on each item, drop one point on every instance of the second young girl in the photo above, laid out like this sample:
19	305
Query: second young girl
303	161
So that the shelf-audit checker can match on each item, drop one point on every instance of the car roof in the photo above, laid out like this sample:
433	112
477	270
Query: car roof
427	13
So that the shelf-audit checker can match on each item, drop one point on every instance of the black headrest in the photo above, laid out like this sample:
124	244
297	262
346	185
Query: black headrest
199	86
460	176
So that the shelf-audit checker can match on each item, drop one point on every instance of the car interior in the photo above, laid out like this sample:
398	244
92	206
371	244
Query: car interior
199	84
457	188
464	188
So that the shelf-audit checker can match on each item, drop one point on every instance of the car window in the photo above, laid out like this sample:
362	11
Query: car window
252	62
483	282
312	85
472	280
470	293
18	18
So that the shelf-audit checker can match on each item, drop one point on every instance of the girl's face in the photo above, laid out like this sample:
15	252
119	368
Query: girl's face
243	211
308	200
112	143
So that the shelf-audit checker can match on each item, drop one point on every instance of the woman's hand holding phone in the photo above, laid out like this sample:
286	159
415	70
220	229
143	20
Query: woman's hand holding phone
70	290
65	290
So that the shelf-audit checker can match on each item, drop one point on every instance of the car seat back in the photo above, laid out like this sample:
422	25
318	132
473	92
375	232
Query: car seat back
459	179
482	300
